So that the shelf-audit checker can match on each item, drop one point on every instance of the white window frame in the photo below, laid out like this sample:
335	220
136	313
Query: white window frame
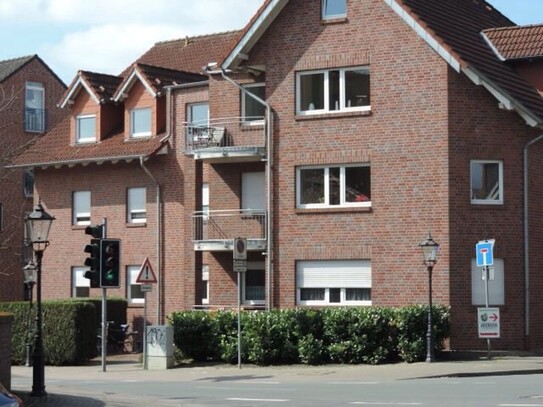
332	16
341	108
253	120
38	111
134	209
81	208
496	284
79	281
253	266
487	201
205	201
78	120
205	280
132	273
357	275
326	180
133	116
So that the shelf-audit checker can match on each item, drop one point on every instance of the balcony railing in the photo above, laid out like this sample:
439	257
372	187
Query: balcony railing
223	226
35	120
226	133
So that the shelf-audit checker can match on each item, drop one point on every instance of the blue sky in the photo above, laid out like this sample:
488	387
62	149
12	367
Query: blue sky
80	34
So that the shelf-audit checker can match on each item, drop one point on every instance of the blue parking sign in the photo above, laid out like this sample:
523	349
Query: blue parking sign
484	253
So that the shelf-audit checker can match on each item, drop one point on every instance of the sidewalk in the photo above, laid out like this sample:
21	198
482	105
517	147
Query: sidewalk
128	368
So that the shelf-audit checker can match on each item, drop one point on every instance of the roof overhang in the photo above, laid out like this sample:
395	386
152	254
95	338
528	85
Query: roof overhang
253	33
74	90
120	94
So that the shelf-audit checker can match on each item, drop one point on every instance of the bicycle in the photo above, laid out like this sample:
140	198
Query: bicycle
120	339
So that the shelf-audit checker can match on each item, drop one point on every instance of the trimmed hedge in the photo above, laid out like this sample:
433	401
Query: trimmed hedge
370	335
69	328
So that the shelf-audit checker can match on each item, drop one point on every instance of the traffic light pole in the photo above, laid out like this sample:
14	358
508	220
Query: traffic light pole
104	309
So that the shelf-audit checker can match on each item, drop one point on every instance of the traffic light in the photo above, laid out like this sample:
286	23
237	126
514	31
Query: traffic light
110	255
93	262
95	231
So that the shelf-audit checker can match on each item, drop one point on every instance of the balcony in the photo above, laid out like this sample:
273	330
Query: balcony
34	120
237	139
216	230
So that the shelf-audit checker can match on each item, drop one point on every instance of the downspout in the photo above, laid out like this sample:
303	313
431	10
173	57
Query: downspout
269	166
526	241
158	242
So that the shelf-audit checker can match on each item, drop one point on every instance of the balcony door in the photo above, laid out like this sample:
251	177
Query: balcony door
253	191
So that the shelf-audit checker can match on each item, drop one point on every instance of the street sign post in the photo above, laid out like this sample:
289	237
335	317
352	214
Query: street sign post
146	278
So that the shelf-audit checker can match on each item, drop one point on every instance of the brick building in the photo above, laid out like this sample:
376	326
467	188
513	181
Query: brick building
333	135
29	90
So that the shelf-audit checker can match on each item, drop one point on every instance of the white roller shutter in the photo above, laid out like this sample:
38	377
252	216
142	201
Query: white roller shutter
333	274
253	191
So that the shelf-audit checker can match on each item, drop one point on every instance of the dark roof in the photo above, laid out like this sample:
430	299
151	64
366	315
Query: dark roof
103	86
190	54
519	42
159	77
10	66
54	148
458	25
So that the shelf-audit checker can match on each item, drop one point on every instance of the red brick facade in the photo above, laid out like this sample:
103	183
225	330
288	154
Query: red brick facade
427	122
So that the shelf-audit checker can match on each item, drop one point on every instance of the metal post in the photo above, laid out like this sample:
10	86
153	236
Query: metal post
429	336
28	345
104	307
486	270
38	373
239	320
145	365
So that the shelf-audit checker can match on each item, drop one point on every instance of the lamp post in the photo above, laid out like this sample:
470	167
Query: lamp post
430	249
30	279
38	225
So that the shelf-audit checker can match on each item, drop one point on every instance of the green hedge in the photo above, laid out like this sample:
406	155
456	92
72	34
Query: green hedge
69	328
333	335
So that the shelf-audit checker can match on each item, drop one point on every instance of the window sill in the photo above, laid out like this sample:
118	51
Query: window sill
136	225
303	211
331	115
252	125
336	20
136	305
79	227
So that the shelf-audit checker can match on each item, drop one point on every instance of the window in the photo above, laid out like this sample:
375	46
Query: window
135	207
140	122
254	283
496	294
34	107
134	295
81	208
85	128
198	123
80	284
205	201
334	9
336	90
333	186
486	182
333	282
252	111
28	183
253	191
205	284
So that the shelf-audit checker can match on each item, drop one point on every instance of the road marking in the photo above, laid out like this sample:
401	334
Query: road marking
262	400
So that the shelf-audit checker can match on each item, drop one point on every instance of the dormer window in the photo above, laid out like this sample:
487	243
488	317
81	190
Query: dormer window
140	122
86	128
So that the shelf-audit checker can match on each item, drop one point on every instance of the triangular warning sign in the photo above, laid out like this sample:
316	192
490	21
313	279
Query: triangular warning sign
146	275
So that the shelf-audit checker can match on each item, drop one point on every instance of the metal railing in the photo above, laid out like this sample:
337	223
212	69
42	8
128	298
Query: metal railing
35	120
228	224
225	133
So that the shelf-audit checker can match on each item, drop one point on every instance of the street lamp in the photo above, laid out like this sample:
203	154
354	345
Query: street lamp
430	249
38	224
30	279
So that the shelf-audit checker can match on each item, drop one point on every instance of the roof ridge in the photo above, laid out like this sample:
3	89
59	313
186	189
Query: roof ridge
513	27
26	57
198	37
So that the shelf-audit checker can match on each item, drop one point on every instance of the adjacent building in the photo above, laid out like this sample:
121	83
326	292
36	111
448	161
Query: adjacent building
333	136
29	91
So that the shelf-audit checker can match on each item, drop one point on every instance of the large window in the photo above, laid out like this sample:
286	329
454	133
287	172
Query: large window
34	107
334	9
28	185
253	191
253	111
486	182
134	295
335	90
140	122
333	282
254	283
80	284
85	128
136	211
81	208
333	186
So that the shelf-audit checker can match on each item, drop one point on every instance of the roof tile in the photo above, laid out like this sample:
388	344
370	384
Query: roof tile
519	42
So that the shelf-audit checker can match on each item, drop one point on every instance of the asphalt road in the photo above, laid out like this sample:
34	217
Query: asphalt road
503	382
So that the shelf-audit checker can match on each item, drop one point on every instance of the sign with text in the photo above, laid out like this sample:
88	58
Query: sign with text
488	320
